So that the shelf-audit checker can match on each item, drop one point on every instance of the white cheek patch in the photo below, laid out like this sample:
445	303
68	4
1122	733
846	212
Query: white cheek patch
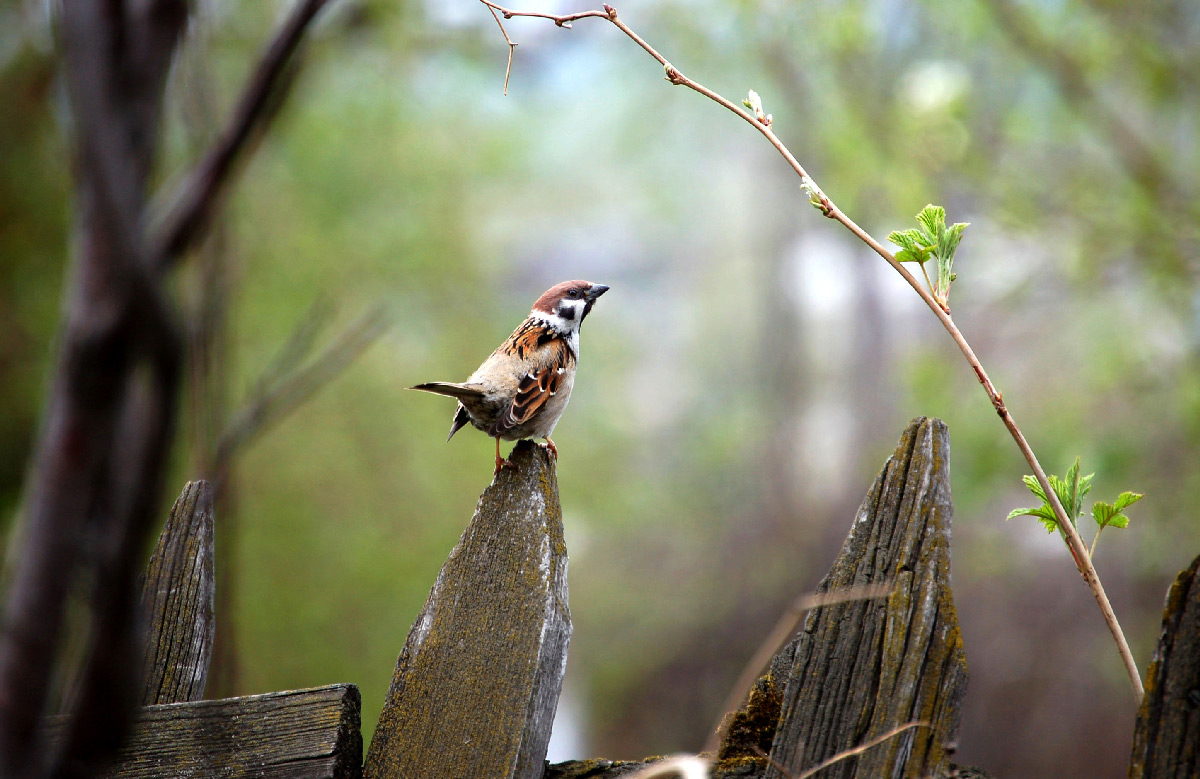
567	328
556	322
571	310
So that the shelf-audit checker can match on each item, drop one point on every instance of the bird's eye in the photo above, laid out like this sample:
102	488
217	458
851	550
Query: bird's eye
575	293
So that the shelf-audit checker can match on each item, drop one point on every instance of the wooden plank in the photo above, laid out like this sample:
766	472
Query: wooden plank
295	734
177	599
477	682
858	670
1166	738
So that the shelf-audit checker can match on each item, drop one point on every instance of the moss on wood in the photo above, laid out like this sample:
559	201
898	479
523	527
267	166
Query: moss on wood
1166	738
477	682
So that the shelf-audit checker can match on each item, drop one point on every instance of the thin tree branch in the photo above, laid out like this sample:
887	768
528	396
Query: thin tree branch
826	206
193	203
784	629
562	21
299	345
772	762
511	48
285	387
858	750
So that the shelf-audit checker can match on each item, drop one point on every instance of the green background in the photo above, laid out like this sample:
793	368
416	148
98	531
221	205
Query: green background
753	364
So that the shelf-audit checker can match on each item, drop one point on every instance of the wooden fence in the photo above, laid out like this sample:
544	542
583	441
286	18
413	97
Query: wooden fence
879	664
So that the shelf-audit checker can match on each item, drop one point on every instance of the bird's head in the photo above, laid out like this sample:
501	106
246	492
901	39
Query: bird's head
564	306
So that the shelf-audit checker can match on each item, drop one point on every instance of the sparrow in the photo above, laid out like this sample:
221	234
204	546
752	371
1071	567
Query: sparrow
522	390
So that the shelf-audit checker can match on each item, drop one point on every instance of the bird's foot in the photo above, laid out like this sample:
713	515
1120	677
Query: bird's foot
550	447
500	461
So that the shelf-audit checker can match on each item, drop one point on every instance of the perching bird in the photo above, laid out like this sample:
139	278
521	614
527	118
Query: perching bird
523	388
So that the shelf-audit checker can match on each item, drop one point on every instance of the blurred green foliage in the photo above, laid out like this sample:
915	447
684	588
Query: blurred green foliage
749	372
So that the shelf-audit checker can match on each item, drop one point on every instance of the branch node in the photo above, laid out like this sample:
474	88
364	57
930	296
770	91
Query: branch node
818	199
754	103
612	12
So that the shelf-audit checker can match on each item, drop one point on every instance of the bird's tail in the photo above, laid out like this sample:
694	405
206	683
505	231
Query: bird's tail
451	389
461	418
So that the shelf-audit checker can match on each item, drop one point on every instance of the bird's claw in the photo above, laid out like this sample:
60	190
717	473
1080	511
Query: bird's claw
503	463
500	461
550	447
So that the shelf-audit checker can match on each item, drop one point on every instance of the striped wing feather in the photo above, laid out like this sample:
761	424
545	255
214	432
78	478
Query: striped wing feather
538	386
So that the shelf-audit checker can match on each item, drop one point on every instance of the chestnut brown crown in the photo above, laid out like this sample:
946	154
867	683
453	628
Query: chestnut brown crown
565	299
568	290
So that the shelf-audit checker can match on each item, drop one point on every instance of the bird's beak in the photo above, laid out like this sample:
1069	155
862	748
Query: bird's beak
596	291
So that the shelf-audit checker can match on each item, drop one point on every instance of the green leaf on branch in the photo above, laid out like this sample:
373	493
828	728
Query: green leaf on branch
815	196
1070	491
932	240
1035	487
1043	514
913	245
933	219
1110	515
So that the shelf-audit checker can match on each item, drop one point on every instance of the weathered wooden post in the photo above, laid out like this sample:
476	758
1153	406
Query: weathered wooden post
177	598
859	670
1166	738
299	734
477	682
871	686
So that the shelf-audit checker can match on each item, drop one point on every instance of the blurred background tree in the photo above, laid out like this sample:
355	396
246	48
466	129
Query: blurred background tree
753	364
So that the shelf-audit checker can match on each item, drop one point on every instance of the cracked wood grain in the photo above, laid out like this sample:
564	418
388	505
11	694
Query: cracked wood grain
177	599
859	669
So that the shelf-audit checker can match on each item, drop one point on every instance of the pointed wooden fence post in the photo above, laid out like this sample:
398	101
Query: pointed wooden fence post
859	670
1166	738
477	682
299	734
177	597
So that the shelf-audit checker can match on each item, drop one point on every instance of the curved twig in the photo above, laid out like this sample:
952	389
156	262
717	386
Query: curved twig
826	206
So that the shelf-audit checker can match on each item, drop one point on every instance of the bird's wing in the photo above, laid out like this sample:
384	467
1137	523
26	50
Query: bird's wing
537	386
